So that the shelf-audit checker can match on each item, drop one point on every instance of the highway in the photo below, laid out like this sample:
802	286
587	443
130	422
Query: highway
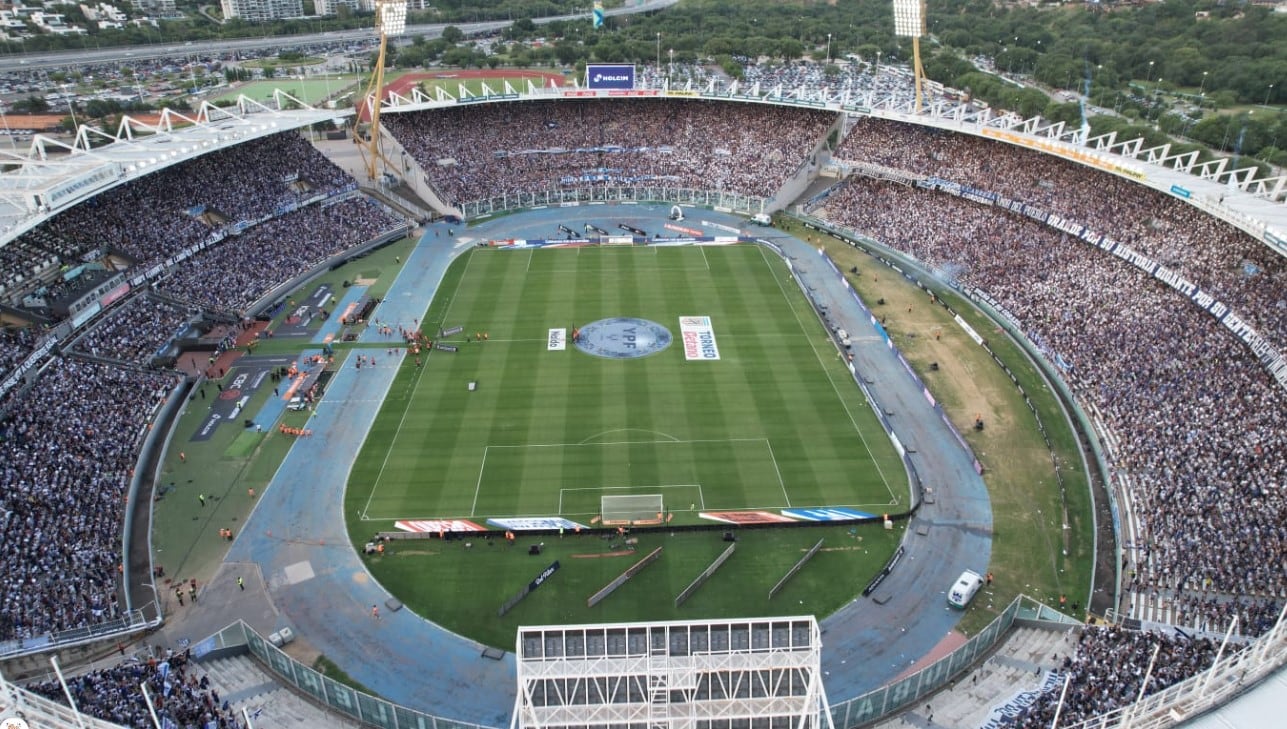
123	54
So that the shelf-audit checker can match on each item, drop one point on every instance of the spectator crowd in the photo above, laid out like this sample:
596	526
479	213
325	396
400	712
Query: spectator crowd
180	698
68	443
156	216
1198	427
487	150
66	457
1108	669
135	331
237	272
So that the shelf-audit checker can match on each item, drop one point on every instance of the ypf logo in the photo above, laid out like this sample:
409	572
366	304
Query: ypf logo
14	723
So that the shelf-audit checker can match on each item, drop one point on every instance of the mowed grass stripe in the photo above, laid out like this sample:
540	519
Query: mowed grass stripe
815	445
775	402
862	447
503	488
718	407
769	397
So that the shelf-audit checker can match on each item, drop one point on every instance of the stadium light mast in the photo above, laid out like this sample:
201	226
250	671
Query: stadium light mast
391	20
909	22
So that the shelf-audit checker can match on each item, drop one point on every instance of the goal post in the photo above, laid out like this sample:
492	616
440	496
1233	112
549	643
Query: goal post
632	509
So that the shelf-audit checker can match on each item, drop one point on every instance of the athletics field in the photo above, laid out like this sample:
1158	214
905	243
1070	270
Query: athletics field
703	379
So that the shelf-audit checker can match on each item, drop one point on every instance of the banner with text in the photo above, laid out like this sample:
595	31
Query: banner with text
699	338
609	76
557	340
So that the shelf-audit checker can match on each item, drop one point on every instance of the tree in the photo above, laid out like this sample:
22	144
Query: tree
452	34
31	105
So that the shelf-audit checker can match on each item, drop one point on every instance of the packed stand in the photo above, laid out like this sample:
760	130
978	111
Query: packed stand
15	345
1222	260
135	331
158	215
234	274
181	700
873	84
486	150
1202	426
1108	670
67	450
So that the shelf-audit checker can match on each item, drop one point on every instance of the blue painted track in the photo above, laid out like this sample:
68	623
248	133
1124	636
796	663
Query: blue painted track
299	520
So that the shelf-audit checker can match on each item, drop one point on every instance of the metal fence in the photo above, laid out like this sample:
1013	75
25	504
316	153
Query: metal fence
368	709
131	622
560	197
886	700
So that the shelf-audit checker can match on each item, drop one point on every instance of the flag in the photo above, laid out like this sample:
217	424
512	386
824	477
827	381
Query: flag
598	13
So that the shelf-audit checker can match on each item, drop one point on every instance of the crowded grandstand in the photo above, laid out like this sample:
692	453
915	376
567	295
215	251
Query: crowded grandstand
1194	425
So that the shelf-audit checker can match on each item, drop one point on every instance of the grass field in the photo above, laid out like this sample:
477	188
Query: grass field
311	90
776	422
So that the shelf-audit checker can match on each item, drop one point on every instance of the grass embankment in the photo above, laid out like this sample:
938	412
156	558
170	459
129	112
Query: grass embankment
1032	552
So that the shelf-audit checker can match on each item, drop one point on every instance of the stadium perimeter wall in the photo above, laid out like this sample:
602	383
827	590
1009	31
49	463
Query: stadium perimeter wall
136	546
720	201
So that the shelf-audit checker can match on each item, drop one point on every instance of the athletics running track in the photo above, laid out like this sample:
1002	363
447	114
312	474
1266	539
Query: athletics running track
303	573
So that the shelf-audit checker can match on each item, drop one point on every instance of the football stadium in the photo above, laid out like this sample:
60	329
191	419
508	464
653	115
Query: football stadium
630	405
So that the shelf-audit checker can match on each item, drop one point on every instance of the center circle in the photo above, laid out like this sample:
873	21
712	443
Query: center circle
622	337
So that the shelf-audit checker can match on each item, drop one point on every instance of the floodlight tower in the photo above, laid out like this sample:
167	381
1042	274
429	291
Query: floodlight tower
909	22
391	19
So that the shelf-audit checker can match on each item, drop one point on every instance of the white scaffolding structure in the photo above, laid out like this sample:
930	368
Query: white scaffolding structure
726	674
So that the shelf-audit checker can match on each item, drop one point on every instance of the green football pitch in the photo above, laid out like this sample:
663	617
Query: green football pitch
775	423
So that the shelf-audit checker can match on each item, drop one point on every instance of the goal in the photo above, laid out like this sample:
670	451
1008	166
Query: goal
632	509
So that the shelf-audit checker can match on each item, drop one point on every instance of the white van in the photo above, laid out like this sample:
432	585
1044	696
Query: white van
762	219
964	589
296	403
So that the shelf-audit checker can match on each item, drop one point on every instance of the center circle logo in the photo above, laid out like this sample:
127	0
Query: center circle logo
622	337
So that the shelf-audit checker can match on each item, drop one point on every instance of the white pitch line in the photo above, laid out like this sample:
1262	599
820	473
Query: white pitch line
473	508
452	301
655	269
827	371
389	453
705	260
781	483
630	442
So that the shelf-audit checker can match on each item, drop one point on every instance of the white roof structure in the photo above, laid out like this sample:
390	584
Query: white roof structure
717	674
52	174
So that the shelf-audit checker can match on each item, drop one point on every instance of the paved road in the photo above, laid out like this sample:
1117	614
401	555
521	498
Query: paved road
88	56
313	581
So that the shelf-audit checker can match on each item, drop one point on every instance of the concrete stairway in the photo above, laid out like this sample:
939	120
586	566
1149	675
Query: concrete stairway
244	684
1019	664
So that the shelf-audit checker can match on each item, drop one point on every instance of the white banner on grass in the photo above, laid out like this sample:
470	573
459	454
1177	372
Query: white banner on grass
558	340
699	338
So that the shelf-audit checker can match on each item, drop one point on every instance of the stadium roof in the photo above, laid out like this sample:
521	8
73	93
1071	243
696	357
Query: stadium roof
52	174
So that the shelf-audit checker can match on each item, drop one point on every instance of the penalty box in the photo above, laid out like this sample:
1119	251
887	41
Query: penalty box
571	478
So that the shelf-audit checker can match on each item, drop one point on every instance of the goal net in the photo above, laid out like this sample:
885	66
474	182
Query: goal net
632	509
